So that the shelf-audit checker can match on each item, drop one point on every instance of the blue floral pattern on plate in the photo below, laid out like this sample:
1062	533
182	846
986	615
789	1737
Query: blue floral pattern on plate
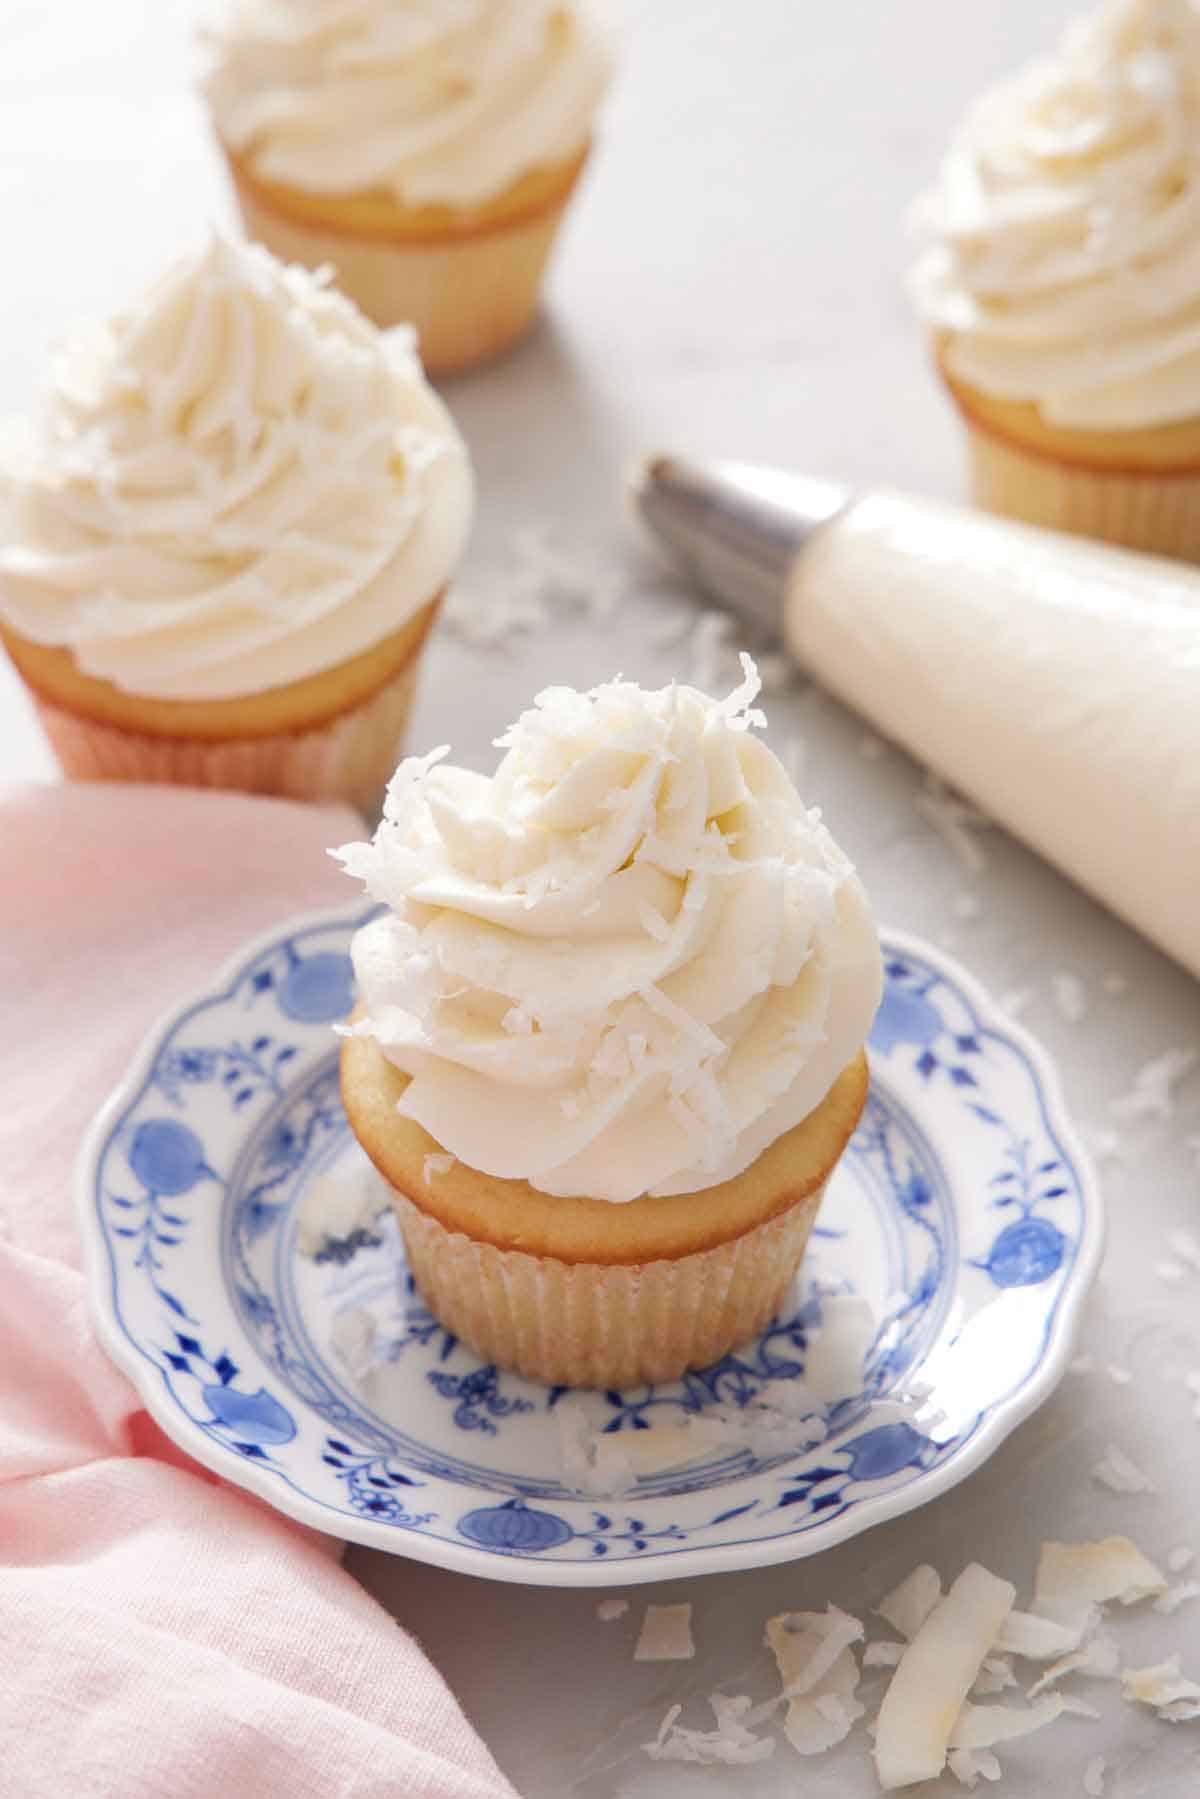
963	1224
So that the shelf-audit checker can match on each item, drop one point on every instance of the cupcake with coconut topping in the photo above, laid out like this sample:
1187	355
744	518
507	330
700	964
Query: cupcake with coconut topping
1061	282
222	551
426	149
609	1042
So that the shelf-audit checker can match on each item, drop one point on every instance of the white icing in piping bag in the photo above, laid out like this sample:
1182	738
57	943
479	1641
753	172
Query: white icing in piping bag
1053	680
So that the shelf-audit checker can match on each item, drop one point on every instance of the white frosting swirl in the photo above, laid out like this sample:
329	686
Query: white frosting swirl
1067	266
240	482
625	963
436	101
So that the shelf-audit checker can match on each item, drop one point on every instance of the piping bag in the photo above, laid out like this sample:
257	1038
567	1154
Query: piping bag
1053	680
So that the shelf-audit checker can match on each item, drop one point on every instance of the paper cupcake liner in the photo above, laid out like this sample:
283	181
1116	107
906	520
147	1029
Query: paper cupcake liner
590	1325
468	298
351	757
1155	512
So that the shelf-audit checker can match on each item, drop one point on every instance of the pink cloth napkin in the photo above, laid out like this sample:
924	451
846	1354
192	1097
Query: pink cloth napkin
161	1633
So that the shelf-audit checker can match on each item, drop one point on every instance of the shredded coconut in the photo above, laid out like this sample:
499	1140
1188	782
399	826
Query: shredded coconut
609	1610
730	1744
1172	1694
982	1726
1093	1777
995	1675
819	1675
969	1765
1120	1475
666	1635
339	1207
1074	1577
907	1606
1097	1659
1036	1639
543	581
936	1672
954	820
1186	1247
1152	1093
1070	996
1178	1595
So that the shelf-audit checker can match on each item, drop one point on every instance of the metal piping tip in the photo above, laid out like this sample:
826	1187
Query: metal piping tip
735	528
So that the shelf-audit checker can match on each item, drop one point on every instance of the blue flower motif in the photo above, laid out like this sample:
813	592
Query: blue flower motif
257	1417
167	1157
515	1528
318	989
884	1450
904	1016
1027	1252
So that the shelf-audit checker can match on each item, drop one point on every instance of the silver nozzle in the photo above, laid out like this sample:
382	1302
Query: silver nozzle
737	529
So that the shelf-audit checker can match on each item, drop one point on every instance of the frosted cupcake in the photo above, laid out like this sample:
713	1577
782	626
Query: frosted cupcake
222	552
609	1044
426	149
1062	284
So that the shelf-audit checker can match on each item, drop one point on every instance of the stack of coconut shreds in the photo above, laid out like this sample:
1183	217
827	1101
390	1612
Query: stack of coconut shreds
955	1649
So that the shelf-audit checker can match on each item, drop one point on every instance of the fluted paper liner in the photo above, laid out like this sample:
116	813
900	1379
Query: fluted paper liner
1158	512
351	757
591	1325
468	297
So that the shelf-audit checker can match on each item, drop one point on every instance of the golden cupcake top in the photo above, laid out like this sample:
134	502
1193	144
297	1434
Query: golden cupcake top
436	102
1063	266
625	963
238	482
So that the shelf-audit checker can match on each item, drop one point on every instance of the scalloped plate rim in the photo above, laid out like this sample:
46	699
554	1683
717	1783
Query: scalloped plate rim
990	1430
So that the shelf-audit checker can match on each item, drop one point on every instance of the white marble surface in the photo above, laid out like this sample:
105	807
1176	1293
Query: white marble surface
729	284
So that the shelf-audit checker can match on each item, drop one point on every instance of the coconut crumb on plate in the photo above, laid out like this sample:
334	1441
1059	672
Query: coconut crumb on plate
1119	1474
1152	1094
968	1766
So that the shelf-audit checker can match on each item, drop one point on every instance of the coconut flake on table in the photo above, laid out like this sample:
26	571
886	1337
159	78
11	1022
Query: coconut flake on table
542	581
731	1744
819	1675
953	820
1098	1660
1093	1777
1185	1246
666	1635
1070	996
1152	1094
1178	1595
1119	1474
908	1605
609	1610
1171	1693
1108	1146
1036	1639
935	1674
1072	1578
968	1766
982	1726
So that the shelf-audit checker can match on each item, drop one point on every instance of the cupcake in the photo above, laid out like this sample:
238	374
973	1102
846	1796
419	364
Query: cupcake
426	150
1061	282
608	1048
221	553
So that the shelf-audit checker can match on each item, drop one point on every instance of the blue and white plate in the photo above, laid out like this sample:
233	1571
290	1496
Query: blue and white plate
963	1226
